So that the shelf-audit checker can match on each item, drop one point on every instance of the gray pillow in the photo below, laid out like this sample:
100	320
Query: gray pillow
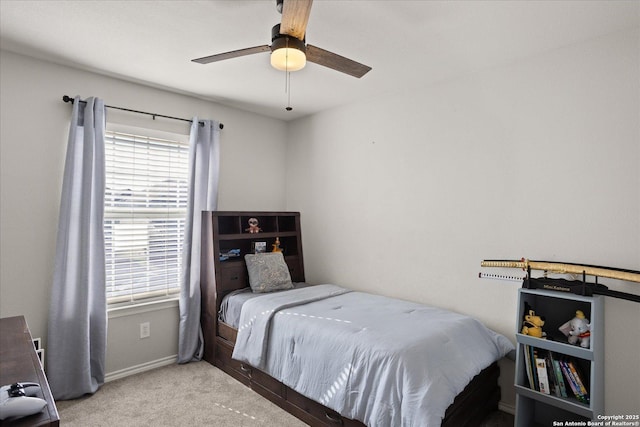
268	272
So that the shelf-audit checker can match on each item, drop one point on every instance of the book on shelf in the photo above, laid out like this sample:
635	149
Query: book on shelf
543	378
530	354
561	388
528	366
575	381
570	381
554	388
576	372
555	374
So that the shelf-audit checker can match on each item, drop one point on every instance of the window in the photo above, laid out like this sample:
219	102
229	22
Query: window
144	218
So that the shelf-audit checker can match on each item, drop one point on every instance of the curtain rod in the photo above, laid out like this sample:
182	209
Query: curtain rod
67	98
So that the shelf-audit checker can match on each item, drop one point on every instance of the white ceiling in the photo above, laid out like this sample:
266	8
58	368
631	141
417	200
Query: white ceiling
408	43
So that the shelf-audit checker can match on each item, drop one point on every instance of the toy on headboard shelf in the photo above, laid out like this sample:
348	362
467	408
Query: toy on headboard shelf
532	325
578	330
276	246
253	226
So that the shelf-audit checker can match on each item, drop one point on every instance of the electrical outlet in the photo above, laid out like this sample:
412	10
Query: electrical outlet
145	330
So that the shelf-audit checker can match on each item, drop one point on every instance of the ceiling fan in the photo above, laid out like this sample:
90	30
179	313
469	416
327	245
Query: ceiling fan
289	51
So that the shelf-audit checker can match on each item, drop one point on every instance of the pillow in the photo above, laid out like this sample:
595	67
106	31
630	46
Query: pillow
268	272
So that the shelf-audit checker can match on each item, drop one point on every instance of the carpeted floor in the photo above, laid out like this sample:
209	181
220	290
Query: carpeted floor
195	394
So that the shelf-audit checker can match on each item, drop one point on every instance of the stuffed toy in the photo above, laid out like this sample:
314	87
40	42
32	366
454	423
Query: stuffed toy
276	246
578	330
253	226
532	325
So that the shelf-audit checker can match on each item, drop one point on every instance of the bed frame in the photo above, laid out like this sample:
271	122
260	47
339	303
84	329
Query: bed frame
222	231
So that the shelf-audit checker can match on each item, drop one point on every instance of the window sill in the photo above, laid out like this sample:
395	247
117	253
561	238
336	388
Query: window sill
141	307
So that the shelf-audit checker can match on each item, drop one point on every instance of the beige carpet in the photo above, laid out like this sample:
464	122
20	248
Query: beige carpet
195	394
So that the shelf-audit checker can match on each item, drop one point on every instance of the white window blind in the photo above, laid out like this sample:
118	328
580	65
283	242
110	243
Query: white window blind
144	218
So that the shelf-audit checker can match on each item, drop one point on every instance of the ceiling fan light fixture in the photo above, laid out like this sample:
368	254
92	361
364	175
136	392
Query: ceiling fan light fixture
287	53
288	59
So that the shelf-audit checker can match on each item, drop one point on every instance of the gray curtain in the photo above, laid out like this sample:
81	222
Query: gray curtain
77	330
204	167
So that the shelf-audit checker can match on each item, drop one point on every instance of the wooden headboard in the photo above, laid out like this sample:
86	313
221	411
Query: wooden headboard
225	241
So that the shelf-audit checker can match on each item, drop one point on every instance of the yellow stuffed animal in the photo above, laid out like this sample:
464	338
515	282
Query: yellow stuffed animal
532	325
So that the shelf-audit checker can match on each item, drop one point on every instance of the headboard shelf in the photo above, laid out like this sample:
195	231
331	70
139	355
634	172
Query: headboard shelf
236	222
225	233
256	236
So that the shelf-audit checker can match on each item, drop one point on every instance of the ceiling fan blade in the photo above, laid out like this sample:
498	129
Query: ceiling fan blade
295	16
336	62
232	54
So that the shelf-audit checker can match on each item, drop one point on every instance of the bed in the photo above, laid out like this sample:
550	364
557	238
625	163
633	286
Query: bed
352	369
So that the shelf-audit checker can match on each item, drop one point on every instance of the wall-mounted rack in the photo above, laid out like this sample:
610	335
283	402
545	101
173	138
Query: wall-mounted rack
572	286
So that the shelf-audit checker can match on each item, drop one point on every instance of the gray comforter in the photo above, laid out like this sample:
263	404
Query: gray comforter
383	361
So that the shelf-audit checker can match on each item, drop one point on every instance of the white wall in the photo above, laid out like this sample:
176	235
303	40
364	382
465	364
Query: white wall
34	124
405	194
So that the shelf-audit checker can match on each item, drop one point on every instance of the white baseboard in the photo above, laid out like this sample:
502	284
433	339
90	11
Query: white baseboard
116	375
505	407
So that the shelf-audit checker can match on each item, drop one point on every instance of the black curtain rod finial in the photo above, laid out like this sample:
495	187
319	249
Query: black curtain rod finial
67	98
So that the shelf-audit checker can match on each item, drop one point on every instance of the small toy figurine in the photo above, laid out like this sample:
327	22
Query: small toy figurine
578	330
276	246
253	226
532	325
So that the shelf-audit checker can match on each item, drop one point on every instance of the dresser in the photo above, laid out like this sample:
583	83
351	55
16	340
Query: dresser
19	363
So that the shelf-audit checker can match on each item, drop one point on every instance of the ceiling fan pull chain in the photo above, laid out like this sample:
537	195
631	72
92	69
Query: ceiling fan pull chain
287	78
288	90
286	56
